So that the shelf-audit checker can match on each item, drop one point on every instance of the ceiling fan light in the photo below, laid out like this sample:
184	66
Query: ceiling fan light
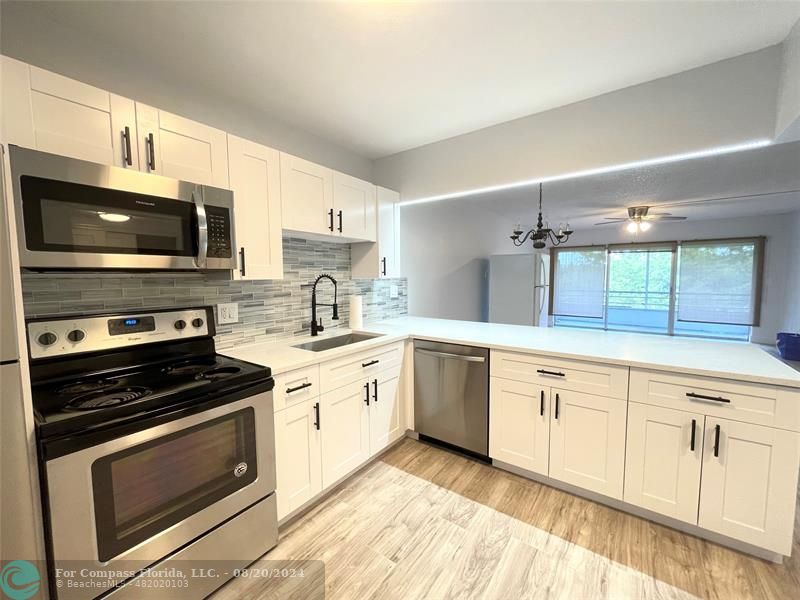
632	227
644	226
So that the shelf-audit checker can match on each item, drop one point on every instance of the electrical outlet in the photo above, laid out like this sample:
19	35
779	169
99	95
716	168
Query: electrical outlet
393	291
227	313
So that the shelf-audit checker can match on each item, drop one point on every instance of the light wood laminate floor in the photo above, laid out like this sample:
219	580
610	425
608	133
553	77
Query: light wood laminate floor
422	522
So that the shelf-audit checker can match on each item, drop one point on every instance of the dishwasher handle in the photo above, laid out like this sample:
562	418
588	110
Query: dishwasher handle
465	358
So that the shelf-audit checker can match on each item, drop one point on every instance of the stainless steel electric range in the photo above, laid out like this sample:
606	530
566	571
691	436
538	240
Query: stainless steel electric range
154	449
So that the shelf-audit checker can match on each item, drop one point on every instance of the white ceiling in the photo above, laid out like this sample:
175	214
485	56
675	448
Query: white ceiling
755	182
380	77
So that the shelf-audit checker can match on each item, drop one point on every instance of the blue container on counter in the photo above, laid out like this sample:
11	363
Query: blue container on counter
789	345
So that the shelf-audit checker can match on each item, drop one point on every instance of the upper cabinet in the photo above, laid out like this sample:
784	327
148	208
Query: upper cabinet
381	259
255	181
175	147
52	113
306	196
354	205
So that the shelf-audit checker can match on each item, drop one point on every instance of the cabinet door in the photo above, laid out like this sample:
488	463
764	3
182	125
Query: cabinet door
587	441
306	196
385	418
67	117
354	205
298	456
345	431
662	468
519	424
388	236
255	181
16	126
181	148
749	484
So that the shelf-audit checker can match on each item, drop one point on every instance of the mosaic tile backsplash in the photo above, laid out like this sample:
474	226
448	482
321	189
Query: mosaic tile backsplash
268	310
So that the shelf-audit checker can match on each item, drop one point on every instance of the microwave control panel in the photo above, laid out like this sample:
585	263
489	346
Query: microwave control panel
220	244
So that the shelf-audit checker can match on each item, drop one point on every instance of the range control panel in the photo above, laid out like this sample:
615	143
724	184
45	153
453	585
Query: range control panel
72	335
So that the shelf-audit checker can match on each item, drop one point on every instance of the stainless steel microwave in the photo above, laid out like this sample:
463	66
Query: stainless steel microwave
73	214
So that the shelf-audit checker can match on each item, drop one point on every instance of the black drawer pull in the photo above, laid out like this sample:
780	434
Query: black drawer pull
383	268
558	401
340	221
298	388
366	393
126	136
375	394
541	405
151	144
330	214
545	372
370	363
241	259
702	397
691	443
316	414
716	440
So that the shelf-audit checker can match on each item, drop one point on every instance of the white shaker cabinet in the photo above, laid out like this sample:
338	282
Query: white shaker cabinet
385	410
382	258
344	429
255	181
749	483
298	455
52	113
587	441
354	206
519	424
306	196
176	147
664	457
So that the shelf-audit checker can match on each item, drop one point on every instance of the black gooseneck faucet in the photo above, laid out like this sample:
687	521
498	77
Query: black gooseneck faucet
317	327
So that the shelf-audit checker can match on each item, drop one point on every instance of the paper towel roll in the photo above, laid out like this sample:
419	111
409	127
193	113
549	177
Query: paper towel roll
356	312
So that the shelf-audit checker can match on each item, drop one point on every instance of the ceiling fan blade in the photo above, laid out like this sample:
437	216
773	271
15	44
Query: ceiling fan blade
615	222
665	218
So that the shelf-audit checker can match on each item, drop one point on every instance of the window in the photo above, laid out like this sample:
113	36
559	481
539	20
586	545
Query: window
706	288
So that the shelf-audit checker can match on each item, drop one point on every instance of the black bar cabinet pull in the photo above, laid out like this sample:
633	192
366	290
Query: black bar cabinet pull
298	388
375	393
702	397
241	259
152	145
541	405
558	401
366	393
691	442
330	215
370	363
546	372
340	221
383	268
716	441
316	415
126	136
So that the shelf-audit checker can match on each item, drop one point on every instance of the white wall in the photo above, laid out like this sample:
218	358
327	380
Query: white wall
729	102
787	120
446	244
51	45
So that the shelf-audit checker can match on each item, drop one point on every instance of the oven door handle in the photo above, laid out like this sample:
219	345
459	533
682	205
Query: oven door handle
202	228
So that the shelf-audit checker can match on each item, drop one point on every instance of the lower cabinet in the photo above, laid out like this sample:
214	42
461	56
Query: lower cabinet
519	424
385	411
344	423
664	456
297	455
749	485
587	441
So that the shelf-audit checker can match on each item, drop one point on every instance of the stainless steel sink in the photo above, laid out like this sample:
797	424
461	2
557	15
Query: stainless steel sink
336	342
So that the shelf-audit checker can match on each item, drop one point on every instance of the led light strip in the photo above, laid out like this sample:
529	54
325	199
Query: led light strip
599	171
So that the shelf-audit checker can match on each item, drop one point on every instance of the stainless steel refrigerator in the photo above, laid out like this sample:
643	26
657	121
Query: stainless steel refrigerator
519	289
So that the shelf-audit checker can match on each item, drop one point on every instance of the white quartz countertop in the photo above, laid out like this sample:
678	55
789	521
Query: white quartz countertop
730	360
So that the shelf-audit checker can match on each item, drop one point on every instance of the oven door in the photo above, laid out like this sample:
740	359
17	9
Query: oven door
73	214
133	500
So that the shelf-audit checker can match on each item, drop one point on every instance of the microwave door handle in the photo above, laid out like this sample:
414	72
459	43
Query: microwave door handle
202	228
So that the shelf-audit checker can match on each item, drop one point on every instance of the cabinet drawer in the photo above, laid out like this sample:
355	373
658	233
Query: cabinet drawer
751	403
296	386
566	374
354	367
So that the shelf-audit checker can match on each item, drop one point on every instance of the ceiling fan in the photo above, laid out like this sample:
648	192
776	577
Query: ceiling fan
639	219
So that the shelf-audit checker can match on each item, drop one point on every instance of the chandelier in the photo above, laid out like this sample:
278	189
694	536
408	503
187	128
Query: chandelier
541	235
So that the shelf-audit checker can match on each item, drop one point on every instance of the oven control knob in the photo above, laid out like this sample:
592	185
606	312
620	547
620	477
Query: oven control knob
197	323
76	335
47	339
180	324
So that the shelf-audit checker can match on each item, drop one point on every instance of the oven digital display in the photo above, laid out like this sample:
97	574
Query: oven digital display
131	325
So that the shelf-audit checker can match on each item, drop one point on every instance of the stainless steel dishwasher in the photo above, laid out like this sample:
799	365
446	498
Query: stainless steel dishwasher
451	395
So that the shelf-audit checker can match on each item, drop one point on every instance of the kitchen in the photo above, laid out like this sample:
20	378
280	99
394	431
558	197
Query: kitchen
243	331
